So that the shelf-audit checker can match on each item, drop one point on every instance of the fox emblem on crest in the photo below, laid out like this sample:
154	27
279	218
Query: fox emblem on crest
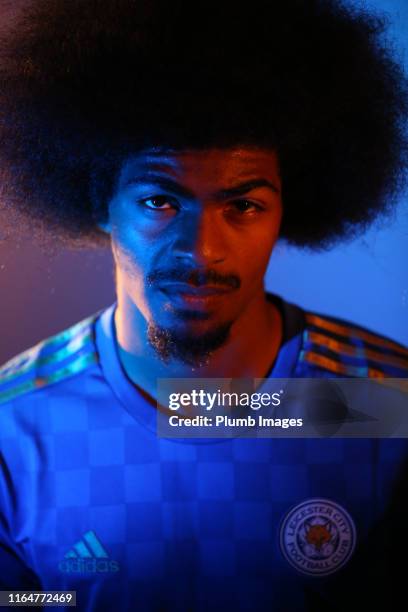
318	538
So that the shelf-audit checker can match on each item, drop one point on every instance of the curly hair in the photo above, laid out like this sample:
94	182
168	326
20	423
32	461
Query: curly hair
86	83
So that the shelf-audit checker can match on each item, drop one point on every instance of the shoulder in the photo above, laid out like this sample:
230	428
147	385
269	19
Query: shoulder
51	361
347	349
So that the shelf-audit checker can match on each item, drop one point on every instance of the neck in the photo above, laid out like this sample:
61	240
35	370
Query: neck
249	352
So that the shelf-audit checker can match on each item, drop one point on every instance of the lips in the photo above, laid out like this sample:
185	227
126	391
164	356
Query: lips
191	290
186	294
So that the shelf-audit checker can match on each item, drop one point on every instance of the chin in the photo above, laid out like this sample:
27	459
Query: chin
189	344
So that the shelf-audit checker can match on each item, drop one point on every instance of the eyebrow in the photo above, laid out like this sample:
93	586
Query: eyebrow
243	188
169	184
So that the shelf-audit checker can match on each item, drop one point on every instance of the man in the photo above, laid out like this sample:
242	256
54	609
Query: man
192	136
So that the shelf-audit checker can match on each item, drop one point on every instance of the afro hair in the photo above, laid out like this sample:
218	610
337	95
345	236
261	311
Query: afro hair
85	84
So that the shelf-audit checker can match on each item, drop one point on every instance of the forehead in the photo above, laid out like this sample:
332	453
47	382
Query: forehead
213	166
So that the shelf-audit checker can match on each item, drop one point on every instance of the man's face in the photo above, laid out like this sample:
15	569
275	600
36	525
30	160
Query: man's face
192	233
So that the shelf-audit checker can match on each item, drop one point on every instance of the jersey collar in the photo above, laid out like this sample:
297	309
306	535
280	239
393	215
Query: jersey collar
133	399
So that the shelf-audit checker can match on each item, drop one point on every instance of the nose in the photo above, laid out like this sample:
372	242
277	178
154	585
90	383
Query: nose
199	238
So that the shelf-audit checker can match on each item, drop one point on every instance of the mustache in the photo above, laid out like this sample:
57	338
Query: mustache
197	278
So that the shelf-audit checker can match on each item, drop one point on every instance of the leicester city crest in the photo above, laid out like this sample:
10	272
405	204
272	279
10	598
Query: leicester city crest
318	537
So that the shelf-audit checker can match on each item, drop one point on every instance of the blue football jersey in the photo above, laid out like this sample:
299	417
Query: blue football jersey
93	501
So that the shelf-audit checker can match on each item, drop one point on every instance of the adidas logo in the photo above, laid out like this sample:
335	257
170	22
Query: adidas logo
88	556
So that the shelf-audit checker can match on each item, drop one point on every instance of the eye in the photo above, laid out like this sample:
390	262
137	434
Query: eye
159	202
246	206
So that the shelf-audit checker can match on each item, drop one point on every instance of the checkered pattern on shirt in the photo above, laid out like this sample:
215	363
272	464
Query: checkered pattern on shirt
206	511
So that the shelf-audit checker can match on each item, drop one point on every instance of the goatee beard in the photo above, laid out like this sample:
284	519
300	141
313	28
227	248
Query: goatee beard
190	349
